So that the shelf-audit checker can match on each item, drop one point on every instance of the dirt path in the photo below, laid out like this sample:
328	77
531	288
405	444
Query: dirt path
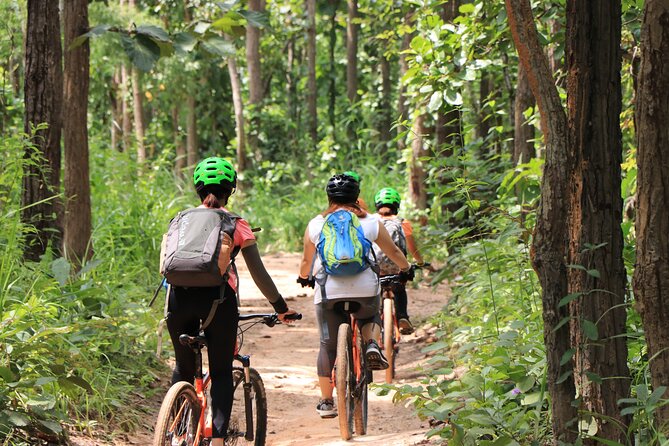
285	356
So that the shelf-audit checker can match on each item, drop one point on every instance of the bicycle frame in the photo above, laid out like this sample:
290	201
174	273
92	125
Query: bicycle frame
357	366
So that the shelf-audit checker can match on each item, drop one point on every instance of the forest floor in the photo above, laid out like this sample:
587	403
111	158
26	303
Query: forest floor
285	356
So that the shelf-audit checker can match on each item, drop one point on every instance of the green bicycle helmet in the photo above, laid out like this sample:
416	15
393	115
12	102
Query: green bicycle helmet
214	171
387	197
353	174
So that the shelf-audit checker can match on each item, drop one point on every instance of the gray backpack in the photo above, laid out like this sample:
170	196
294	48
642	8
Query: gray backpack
198	248
394	227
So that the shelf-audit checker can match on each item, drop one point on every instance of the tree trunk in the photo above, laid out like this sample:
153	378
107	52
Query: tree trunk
77	231
138	104
125	108
43	95
191	133
384	110
550	245
236	85
115	103
417	174
332	94
352	51
402	109
595	140
448	117
651	275
256	89
312	92
523	138
179	149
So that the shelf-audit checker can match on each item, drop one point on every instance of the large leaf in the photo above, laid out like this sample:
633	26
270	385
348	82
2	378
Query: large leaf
93	32
218	46
142	51
257	19
184	42
153	32
61	269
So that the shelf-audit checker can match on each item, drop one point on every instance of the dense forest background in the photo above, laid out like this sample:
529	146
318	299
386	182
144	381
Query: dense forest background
528	140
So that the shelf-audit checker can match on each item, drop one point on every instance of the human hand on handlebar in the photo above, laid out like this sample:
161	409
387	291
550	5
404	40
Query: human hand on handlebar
405	276
289	316
306	281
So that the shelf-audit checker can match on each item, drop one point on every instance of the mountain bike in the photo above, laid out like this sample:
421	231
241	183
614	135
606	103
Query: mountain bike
351	376
390	330
184	418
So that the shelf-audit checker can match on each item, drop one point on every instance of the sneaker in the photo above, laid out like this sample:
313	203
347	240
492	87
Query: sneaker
375	358
405	326
326	409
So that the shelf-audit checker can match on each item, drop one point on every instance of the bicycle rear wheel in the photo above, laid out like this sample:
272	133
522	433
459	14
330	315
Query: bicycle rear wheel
345	381
178	417
360	394
243	430
389	338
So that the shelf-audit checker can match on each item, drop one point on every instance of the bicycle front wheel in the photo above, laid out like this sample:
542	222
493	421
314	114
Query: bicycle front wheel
248	420
345	381
389	338
360	394
178	417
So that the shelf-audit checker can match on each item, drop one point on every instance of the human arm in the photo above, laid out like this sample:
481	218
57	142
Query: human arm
413	250
387	245
308	253
263	280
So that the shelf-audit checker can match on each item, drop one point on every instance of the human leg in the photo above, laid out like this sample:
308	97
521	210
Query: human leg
401	303
328	320
181	319
370	328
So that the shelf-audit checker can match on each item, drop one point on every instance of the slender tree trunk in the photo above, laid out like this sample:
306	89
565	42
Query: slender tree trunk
256	89
43	95
402	109
126	110
312	92
192	153
235	83
523	139
291	85
595	140
651	275
352	51
77	233
334	4
116	111
550	245
179	148
384	110
138	104
417	174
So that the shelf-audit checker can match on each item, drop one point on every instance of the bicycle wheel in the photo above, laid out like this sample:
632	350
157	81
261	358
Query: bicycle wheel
251	430
178	417
389	338
345	381
360	394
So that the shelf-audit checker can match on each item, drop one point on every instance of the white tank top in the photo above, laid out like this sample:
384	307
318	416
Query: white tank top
365	284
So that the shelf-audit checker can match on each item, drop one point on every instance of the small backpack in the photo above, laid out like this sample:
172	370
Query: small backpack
342	246
394	227
198	248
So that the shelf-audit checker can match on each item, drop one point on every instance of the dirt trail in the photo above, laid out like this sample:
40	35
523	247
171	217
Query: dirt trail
285	356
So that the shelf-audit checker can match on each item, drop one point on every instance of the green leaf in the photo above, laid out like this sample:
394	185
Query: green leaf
51	426
17	419
564	377
201	27
589	329
218	46
595	378
531	398
568	298
466	8
526	383
81	382
184	42
142	51
153	32
436	100
593	273
7	375
566	356
257	19
61	270
93	32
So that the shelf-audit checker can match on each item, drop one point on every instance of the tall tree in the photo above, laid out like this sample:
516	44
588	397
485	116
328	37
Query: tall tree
77	230
417	173
236	84
594	103
352	51
332	90
43	95
312	92
651	274
402	109
523	135
255	83
138	105
550	245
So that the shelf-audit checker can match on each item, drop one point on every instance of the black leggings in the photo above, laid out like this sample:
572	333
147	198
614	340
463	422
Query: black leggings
329	316
187	306
401	300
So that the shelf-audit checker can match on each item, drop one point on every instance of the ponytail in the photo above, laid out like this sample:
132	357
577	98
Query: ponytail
211	202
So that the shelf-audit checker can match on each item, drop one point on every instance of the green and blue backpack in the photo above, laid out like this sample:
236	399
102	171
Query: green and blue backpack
342	246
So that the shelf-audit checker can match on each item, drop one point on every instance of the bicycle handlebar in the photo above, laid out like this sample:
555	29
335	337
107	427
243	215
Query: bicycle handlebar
395	278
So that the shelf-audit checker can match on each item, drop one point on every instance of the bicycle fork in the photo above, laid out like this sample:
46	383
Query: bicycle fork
248	400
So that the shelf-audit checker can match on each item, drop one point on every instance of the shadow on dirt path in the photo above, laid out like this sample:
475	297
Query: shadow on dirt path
285	356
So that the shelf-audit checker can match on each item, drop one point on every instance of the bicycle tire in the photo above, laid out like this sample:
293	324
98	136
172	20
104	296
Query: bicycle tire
389	338
345	381
237	430
360	401
181	401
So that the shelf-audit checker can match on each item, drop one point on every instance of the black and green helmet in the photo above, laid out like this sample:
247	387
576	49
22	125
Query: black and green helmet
387	197
214	171
353	174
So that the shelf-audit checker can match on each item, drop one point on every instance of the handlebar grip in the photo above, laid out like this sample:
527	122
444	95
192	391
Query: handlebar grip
293	317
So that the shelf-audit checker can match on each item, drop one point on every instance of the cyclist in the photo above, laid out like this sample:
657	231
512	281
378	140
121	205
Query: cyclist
215	180
363	288
387	203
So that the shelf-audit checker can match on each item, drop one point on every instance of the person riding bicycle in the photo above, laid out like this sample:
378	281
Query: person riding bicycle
215	180
387	203
362	288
